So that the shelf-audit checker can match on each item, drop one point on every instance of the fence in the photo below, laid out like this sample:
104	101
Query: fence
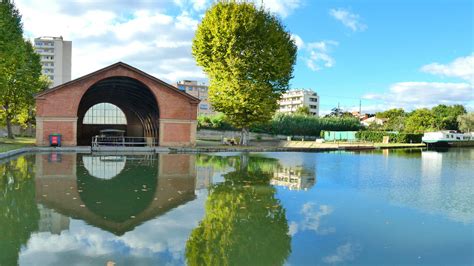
101	141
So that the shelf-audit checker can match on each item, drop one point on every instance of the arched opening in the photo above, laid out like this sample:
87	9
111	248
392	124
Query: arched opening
119	103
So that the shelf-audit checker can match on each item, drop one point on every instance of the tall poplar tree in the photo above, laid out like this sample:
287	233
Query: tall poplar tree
249	58
20	67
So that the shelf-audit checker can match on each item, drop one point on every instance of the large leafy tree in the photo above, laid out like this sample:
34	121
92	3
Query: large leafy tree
446	116
395	119
466	122
245	223
19	213
20	67
419	121
249	57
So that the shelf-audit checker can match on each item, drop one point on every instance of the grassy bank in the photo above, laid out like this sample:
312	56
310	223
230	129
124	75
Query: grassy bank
17	143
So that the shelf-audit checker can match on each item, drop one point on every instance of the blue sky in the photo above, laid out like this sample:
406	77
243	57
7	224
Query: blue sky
388	54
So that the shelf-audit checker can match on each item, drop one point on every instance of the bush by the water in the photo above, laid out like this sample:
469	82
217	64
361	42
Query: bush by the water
377	136
290	125
216	122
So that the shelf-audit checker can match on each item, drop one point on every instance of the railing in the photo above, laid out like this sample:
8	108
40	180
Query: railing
101	141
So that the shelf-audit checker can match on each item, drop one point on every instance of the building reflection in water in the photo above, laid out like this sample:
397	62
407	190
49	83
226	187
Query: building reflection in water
115	193
294	178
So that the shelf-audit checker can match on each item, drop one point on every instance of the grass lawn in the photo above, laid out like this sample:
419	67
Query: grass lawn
12	144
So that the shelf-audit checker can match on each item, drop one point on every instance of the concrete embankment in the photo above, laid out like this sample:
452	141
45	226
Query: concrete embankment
279	146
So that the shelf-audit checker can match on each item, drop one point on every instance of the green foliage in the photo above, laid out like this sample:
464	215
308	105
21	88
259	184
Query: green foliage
395	119
446	116
19	215
466	122
20	67
249	59
419	121
303	110
338	112
244	223
377	136
216	122
301	125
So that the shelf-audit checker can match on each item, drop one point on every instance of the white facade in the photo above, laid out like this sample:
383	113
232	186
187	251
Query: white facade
55	58
200	91
292	100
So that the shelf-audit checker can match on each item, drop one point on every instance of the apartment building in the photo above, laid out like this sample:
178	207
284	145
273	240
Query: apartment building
292	100
200	91
55	56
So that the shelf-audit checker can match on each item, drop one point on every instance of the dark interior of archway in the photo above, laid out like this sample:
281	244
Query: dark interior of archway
132	97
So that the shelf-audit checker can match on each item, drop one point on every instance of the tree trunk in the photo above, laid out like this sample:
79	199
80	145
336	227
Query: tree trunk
244	136
9	128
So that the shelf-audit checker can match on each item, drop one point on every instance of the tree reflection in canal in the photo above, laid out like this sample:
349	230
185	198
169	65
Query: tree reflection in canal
245	223
19	214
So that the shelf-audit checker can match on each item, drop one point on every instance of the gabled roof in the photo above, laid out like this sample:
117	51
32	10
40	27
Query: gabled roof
116	65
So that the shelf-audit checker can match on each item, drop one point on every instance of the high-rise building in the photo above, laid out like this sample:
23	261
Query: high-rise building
294	99
55	58
200	91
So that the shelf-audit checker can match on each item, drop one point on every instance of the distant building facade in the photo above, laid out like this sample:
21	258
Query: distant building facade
294	99
200	91
55	56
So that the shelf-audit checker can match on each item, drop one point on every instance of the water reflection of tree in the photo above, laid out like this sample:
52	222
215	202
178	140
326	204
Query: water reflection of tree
19	214
244	223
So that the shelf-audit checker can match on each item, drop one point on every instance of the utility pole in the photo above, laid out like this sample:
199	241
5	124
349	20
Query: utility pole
360	107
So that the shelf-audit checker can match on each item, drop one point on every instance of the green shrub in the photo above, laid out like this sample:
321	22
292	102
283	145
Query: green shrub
377	136
216	122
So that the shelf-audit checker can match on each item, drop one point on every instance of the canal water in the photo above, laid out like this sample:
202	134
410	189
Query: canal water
387	207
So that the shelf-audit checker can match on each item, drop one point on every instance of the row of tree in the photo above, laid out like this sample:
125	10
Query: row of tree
20	70
440	117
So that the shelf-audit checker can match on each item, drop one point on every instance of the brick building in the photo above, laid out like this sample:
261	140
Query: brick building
116	97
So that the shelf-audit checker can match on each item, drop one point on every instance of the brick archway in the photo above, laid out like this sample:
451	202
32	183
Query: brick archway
161	110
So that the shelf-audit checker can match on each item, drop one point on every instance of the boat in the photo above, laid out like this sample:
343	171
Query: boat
448	138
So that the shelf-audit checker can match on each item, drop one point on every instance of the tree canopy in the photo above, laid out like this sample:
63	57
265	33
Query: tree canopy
20	68
466	122
248	56
245	223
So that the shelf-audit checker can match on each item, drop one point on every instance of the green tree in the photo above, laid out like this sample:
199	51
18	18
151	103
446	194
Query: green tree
446	116
303	110
20	67
249	59
419	121
19	215
245	223
396	119
466	122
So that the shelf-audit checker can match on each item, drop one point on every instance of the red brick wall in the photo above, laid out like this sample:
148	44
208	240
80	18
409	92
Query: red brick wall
66	129
64	103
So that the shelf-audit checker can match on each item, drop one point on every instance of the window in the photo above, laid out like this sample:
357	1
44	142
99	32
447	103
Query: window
313	99
104	114
313	106
203	106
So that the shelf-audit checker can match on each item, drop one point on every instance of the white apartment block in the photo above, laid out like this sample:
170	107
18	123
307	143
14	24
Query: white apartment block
292	100
200	91
55	56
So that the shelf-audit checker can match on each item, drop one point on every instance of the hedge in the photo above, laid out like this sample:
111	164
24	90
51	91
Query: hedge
284	124
377	136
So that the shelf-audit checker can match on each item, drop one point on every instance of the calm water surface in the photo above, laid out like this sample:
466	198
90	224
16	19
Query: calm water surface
399	207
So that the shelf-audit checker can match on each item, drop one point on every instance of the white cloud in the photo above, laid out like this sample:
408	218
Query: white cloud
312	219
462	67
142	34
418	94
349	19
343	253
319	55
298	41
411	95
280	7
